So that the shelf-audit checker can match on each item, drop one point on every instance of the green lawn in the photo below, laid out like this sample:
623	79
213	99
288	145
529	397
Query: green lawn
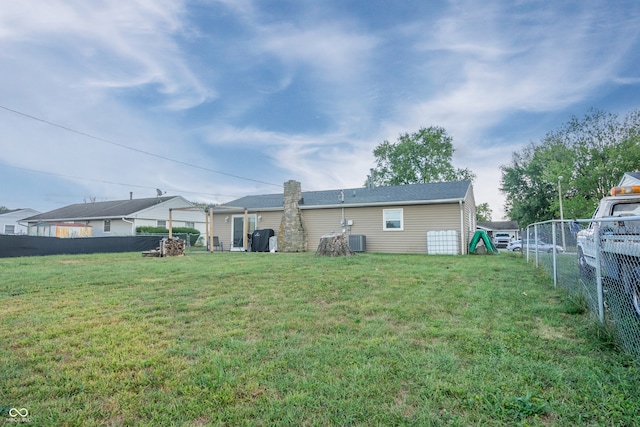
295	339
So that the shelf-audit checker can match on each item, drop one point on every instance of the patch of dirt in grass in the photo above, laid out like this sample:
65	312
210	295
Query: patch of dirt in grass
202	421
252	393
408	411
116	418
548	419
552	333
71	261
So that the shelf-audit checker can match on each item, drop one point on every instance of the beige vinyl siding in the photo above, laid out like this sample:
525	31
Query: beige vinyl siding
418	219
222	229
318	222
269	220
368	221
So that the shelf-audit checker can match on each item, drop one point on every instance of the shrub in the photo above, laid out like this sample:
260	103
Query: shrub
181	232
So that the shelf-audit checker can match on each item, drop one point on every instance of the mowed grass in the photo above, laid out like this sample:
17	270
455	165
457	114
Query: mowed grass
295	339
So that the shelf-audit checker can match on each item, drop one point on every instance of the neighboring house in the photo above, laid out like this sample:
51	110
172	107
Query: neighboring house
630	178
502	231
11	220
116	218
413	218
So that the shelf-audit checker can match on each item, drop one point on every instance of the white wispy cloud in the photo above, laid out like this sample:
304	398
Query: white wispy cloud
105	44
331	51
155	74
487	71
529	61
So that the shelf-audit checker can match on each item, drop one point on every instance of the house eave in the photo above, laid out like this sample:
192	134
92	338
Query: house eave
345	205
374	204
235	210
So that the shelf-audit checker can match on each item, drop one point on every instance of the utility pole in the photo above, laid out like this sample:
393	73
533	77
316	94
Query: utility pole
564	243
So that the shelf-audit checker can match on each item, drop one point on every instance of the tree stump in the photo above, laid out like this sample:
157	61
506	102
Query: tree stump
335	244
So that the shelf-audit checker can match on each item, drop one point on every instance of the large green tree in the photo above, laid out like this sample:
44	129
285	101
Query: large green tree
584	158
483	212
422	156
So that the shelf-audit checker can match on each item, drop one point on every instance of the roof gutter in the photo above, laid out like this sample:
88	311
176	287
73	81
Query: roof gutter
220	209
394	203
97	218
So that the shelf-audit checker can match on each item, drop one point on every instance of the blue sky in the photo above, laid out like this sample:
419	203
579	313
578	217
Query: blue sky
217	99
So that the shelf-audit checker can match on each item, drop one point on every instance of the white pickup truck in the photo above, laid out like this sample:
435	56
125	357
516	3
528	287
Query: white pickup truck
618	221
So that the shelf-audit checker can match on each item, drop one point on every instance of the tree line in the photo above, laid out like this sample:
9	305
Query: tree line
579	162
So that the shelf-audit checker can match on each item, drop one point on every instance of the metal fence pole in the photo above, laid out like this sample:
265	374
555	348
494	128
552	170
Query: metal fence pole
598	247
524	246
555	257
606	282
535	239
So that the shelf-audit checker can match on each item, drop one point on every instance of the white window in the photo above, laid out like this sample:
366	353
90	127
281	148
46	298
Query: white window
162	223
190	224
107	226
9	229
392	220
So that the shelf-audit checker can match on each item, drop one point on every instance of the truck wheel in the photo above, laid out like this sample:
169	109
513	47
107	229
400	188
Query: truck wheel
631	283
586	271
581	260
635	298
631	288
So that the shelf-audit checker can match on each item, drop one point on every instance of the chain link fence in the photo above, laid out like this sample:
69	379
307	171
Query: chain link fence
598	263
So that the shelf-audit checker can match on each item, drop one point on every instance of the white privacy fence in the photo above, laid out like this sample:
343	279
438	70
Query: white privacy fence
598	262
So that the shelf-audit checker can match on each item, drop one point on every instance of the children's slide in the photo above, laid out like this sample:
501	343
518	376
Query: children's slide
482	235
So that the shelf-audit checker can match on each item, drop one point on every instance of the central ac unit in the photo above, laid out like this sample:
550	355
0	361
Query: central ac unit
358	242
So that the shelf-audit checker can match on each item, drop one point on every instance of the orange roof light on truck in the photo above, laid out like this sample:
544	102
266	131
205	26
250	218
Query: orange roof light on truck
630	189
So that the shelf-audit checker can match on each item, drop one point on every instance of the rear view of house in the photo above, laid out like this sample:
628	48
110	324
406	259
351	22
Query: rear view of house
413	218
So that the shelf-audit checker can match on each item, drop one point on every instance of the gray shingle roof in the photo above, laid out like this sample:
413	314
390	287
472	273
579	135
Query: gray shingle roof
430	192
636	175
113	209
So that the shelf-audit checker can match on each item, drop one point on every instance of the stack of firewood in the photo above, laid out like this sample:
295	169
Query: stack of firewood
168	247
172	247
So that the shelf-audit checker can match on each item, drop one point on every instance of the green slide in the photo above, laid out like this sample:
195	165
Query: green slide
481	234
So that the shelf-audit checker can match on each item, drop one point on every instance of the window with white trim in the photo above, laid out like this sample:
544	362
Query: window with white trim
162	223
392	219
189	224
9	229
107	226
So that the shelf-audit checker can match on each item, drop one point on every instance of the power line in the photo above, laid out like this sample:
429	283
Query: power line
111	182
88	135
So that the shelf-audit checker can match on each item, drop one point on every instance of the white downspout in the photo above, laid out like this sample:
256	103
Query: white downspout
462	238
